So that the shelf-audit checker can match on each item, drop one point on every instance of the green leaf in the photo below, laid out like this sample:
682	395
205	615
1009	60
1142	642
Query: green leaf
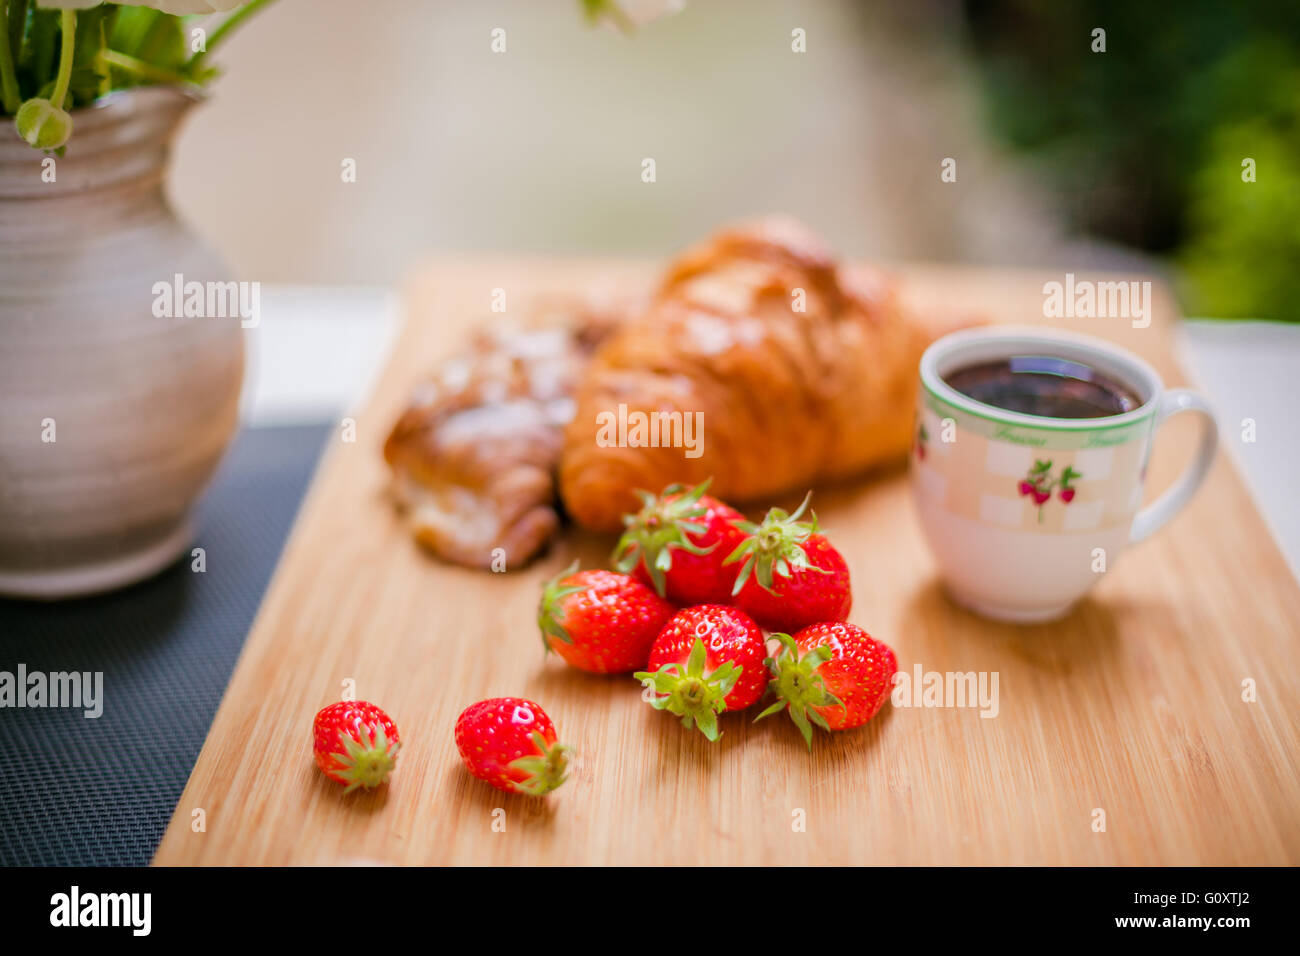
727	675
551	610
707	721
818	719
695	663
774	708
801	721
17	25
39	58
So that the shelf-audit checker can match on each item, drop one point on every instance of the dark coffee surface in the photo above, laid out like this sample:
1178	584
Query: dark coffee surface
1044	386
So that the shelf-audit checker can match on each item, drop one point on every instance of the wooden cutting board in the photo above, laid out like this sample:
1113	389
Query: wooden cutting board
1132	706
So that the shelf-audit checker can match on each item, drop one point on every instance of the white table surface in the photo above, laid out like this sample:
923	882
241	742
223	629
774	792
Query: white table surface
317	350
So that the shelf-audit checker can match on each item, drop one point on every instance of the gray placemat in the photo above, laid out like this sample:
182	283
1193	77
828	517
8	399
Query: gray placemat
78	791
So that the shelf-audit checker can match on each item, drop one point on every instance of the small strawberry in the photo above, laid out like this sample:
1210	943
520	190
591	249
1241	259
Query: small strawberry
510	743
1026	488
355	744
1067	490
601	621
1040	497
676	544
708	659
835	675
791	576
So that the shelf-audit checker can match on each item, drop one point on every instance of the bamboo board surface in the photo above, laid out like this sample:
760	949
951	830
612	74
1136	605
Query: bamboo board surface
1132	705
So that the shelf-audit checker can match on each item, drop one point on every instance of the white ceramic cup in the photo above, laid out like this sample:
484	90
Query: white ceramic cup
1025	513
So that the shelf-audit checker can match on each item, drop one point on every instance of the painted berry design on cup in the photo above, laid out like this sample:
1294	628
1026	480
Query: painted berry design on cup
1066	492
922	436
1038	483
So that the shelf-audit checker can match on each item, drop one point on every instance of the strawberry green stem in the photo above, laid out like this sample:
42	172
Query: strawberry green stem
366	762
691	694
660	527
550	611
798	687
774	547
545	770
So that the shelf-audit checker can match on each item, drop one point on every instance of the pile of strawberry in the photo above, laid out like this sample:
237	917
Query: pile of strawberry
695	586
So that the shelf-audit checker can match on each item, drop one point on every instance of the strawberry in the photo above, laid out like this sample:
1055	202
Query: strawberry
1026	488
510	743
676	543
708	659
790	575
834	674
601	621
355	744
1067	490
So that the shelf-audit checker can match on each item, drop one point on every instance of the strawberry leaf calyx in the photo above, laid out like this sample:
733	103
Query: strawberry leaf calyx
662	525
543	771
775	547
550	610
367	761
798	687
694	696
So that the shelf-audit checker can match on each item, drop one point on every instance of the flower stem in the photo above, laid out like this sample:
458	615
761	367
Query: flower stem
68	24
8	79
146	71
226	28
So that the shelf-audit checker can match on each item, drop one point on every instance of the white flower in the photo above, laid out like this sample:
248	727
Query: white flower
178	7
642	12
629	14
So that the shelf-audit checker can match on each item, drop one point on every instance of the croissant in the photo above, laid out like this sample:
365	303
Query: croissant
759	363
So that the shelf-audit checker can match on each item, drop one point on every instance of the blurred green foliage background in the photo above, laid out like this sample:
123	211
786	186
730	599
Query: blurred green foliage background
1147	140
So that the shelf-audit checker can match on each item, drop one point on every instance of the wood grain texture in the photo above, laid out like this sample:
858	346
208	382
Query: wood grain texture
1132	704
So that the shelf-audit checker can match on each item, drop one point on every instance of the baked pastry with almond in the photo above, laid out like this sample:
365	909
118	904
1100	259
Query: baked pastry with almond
474	455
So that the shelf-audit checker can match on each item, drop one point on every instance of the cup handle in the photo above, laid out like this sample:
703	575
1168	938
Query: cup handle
1155	515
